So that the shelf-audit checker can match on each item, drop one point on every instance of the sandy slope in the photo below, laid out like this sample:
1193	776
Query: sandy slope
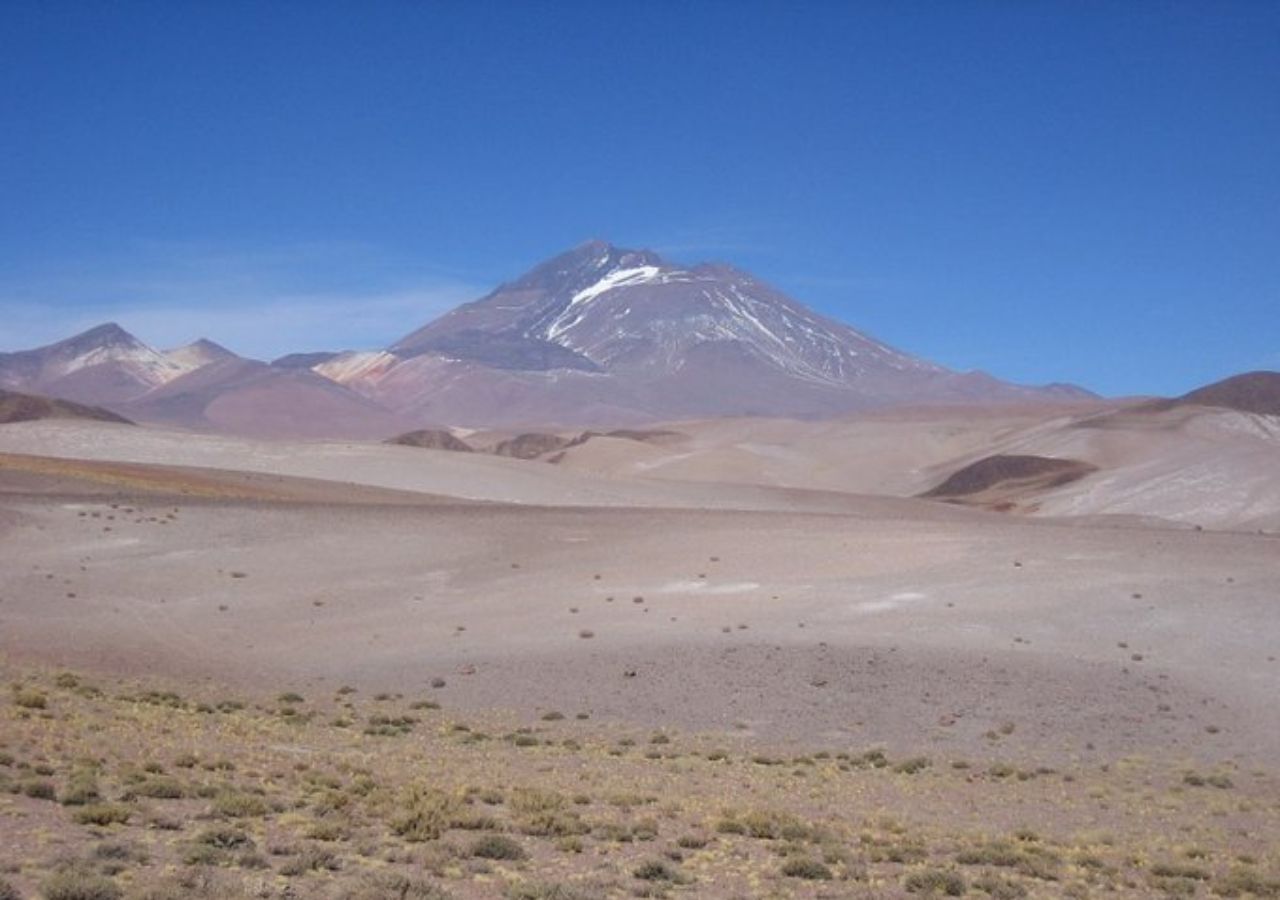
1194	465
469	476
1201	466
777	612
923	628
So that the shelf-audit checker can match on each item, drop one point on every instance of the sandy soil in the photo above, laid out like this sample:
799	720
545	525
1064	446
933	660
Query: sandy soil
911	625
1071	706
1188	466
1214	468
467	476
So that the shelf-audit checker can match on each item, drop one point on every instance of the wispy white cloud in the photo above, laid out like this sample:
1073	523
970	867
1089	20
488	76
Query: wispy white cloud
256	325
259	302
868	283
711	242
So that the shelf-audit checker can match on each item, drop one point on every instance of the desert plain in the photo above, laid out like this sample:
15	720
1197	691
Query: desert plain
738	658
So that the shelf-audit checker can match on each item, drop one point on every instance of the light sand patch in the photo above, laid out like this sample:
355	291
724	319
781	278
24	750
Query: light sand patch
704	587
895	601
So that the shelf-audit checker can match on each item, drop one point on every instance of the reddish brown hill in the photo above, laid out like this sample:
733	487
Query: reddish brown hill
1041	472
242	396
1251	392
432	439
16	407
532	445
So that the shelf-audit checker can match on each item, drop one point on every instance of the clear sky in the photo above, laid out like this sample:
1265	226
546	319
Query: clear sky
1078	191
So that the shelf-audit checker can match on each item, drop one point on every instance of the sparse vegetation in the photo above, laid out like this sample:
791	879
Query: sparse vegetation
38	789
427	813
79	884
496	846
102	814
934	881
550	891
808	869
657	870
240	805
26	698
82	789
248	802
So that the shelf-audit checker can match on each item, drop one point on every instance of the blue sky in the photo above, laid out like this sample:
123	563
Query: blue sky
1078	191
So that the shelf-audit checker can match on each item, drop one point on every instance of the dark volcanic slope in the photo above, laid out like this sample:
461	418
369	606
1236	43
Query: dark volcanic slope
605	308
532	445
432	439
16	407
1251	392
1001	470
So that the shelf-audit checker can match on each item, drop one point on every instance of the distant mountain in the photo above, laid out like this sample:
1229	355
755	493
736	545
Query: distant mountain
17	407
201	385
601	308
197	354
103	365
303	360
245	396
597	336
603	334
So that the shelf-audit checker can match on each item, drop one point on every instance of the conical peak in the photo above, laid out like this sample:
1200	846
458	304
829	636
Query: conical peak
584	263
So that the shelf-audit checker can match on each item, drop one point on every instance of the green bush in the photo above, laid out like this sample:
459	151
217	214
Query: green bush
395	887
162	788
657	870
102	814
30	699
77	884
550	891
427	814
1244	881
223	837
38	789
240	805
312	859
203	855
913	765
81	790
934	881
809	869
496	846
997	853
1179	870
